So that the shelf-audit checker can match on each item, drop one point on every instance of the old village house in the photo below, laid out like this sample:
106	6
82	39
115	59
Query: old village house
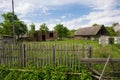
43	36
90	32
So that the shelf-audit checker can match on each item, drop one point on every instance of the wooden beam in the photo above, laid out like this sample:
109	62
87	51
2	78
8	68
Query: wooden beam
101	76
99	60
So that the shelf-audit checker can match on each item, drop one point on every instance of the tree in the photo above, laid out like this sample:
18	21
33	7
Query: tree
71	32
61	30
114	24
1	30
32	28
95	25
111	31
20	27
44	28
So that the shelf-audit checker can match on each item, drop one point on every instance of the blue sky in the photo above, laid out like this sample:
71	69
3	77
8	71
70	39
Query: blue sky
73	14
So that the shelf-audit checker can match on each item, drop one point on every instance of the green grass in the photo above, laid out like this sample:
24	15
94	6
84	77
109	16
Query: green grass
98	50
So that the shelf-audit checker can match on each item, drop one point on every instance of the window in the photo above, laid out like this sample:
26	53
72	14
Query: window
51	34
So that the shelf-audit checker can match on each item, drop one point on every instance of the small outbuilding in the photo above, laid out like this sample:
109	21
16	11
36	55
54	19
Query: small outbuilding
92	33
43	36
117	40
104	40
117	28
7	39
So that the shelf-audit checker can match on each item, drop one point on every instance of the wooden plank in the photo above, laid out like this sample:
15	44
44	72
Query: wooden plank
90	52
101	76
66	57
83	51
90	55
61	60
23	56
99	60
53	54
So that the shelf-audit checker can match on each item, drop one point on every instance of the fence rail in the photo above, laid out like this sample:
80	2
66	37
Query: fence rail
40	55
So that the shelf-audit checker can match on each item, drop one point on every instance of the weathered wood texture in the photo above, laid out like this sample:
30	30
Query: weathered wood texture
99	60
40	55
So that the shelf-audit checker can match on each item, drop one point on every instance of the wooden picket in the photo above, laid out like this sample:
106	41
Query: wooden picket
40	55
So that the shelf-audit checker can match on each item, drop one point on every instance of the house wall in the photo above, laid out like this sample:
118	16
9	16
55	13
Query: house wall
7	40
104	40
48	37
86	37
37	36
107	40
117	40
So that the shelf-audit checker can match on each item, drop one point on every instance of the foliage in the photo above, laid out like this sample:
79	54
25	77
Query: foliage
47	73
44	28
61	30
7	25
111	31
95	25
32	28
114	24
71	33
1	30
20	28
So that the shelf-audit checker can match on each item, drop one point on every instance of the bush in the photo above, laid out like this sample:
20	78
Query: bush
47	73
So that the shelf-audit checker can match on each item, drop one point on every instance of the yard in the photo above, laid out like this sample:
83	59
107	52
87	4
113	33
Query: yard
98	50
54	60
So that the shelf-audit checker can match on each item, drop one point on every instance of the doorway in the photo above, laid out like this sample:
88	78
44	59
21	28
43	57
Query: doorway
43	38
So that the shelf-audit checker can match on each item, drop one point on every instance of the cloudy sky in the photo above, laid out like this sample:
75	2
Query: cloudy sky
72	13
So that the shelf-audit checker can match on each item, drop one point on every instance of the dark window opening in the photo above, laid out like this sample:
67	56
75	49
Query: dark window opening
43	38
51	34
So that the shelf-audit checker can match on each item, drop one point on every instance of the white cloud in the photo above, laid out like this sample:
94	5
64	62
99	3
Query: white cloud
73	24
103	11
24	8
63	17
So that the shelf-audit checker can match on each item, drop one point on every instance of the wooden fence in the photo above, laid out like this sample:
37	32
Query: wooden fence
40	55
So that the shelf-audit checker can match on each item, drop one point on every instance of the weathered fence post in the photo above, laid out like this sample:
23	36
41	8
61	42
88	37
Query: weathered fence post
90	55
22	56
53	54
90	52
1	54
83	49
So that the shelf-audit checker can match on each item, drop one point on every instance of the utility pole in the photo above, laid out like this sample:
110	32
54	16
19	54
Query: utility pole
13	22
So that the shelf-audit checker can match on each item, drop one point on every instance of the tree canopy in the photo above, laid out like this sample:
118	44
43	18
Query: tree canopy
32	26
44	28
7	25
71	33
111	31
95	25
61	30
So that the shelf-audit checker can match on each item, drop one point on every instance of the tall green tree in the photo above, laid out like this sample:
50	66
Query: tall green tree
111	31
71	32
1	29
61	30
44	28
32	26
20	28
7	25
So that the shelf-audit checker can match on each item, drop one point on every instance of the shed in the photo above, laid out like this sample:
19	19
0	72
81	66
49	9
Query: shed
117	40
116	28
104	40
90	32
7	39
43	36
